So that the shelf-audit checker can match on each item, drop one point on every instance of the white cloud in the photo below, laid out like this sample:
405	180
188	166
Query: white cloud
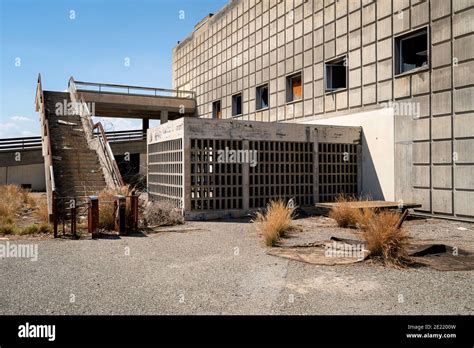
17	126
20	118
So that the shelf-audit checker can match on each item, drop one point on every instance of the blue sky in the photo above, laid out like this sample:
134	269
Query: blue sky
41	36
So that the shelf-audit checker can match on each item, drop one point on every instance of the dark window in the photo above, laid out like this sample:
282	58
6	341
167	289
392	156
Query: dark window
411	51
237	105
336	74
262	97
294	90
216	109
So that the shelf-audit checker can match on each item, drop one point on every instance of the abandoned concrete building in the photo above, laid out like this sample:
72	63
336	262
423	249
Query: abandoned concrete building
299	99
402	70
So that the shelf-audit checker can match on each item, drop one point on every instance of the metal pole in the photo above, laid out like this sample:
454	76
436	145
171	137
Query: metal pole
134	211
55	214
119	204
73	218
93	216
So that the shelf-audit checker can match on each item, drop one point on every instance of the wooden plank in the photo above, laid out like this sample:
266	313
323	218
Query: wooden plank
371	204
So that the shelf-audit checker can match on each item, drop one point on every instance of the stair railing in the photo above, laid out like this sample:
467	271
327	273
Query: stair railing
46	148
112	174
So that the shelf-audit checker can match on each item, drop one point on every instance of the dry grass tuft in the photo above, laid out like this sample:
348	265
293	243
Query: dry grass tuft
30	229
8	228
275	223
344	215
41	211
106	206
45	228
162	213
385	241
13	200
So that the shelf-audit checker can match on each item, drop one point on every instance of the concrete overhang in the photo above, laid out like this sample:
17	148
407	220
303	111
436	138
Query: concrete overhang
108	104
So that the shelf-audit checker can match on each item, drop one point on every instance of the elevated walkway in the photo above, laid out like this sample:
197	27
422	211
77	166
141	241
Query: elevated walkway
78	157
112	100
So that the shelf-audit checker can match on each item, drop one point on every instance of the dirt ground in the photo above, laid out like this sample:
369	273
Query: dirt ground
222	267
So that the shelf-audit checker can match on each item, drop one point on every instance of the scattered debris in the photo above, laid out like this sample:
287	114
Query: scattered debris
341	251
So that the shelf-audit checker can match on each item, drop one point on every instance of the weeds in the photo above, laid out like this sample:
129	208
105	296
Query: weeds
385	241
275	223
162	213
12	199
344	214
106	206
6	229
41	211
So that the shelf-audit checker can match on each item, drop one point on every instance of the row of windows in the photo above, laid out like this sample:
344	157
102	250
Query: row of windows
294	92
411	53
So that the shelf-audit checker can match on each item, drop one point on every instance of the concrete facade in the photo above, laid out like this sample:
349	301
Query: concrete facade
224	168
429	154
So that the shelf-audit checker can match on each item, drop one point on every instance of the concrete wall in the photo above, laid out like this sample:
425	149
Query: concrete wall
251	42
30	174
378	149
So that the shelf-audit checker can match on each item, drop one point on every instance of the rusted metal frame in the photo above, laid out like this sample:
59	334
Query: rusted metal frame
55	214
133	218
73	218
119	213
93	216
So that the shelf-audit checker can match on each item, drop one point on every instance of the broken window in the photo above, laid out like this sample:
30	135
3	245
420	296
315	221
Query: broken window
262	97
294	89
336	74
237	104
216	109
411	51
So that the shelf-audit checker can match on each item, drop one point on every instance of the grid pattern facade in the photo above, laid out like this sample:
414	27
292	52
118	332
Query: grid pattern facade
215	185
165	171
249	43
337	171
284	170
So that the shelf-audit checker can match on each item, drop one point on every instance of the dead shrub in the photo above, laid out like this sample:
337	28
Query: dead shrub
12	199
30	229
106	206
364	216
385	241
275	222
162	213
345	215
8	228
45	228
41	211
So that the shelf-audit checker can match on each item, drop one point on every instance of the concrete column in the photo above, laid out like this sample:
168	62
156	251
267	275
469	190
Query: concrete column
145	124
245	179
163	116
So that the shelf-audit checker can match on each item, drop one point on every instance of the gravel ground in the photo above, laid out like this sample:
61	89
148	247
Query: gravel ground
222	268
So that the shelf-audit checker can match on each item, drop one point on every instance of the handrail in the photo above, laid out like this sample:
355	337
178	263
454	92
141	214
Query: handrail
110	155
46	146
177	92
89	127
